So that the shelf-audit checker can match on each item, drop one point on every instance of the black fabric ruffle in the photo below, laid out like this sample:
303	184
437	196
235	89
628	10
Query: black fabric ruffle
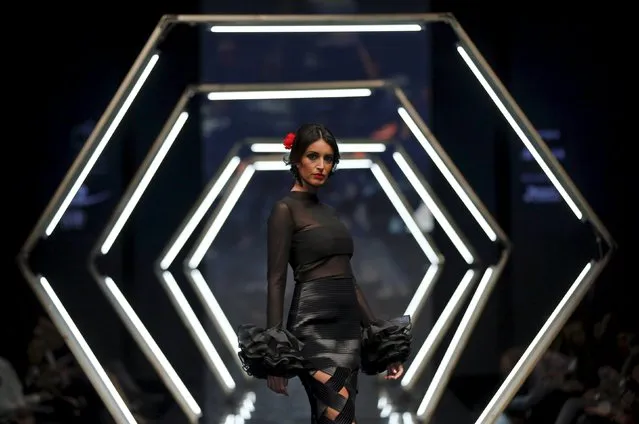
269	352
385	343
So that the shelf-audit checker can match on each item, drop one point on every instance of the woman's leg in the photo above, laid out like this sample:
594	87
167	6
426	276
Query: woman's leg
332	393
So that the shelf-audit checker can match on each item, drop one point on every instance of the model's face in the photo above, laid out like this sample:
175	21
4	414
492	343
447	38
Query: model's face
316	163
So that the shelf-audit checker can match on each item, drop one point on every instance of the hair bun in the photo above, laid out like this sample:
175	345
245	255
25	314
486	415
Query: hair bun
289	140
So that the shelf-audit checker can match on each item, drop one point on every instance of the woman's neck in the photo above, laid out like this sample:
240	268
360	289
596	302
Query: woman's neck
304	187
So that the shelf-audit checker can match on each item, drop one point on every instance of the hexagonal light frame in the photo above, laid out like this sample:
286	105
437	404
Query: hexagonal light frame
344	89
142	67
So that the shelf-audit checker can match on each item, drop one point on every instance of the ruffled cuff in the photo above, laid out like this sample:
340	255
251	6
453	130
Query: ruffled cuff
385	343
269	352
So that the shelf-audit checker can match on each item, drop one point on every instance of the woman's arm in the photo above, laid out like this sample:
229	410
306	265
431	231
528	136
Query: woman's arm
364	307
279	233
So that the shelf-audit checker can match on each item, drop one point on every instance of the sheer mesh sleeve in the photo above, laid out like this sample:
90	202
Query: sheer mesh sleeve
279	233
365	309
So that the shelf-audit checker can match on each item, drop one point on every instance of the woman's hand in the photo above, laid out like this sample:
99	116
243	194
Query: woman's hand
394	371
277	384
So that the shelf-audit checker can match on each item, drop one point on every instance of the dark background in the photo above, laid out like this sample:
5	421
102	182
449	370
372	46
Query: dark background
569	69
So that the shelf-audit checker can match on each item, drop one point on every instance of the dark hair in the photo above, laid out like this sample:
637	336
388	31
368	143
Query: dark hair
306	135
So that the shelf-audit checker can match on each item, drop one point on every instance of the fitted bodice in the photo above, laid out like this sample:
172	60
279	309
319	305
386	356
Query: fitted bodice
321	245
308	235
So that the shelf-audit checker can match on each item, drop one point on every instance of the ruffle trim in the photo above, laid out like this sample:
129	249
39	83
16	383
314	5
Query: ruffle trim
385	343
269	352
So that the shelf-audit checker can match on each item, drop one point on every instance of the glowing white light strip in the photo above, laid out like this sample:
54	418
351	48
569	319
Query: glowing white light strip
452	350
533	345
406	216
223	213
422	292
290	94
199	213
389	411
149	346
448	175
118	408
244	410
261	29
144	183
434	208
520	133
202	339
101	145
216	313
438	330
343	148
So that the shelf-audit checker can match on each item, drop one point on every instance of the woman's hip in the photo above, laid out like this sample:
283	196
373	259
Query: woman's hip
326	307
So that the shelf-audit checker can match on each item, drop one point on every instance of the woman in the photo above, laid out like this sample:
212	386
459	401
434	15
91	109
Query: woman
331	332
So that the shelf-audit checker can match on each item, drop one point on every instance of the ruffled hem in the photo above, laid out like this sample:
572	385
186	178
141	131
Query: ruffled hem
385	343
269	352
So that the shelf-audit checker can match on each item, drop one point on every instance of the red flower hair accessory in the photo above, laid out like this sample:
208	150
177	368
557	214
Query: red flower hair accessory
289	140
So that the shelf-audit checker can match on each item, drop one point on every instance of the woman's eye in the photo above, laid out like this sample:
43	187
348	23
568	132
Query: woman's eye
329	159
313	156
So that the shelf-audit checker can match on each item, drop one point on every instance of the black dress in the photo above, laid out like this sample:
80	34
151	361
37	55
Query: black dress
330	326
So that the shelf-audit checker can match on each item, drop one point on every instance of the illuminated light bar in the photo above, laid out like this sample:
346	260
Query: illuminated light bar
452	354
343	148
553	169
145	179
389	413
216	222
446	172
288	29
455	303
491	228
215	313
244	410
152	351
393	195
84	163
211	192
101	145
438	331
428	198
539	345
290	94
81	350
123	211
195	216
108	237
520	133
423	291
205	345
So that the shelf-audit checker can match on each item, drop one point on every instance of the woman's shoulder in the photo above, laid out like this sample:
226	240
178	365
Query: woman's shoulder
281	207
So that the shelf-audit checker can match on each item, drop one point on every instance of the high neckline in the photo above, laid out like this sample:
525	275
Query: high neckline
304	195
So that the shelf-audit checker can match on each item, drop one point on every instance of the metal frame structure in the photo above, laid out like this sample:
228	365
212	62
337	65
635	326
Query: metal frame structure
216	185
132	84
